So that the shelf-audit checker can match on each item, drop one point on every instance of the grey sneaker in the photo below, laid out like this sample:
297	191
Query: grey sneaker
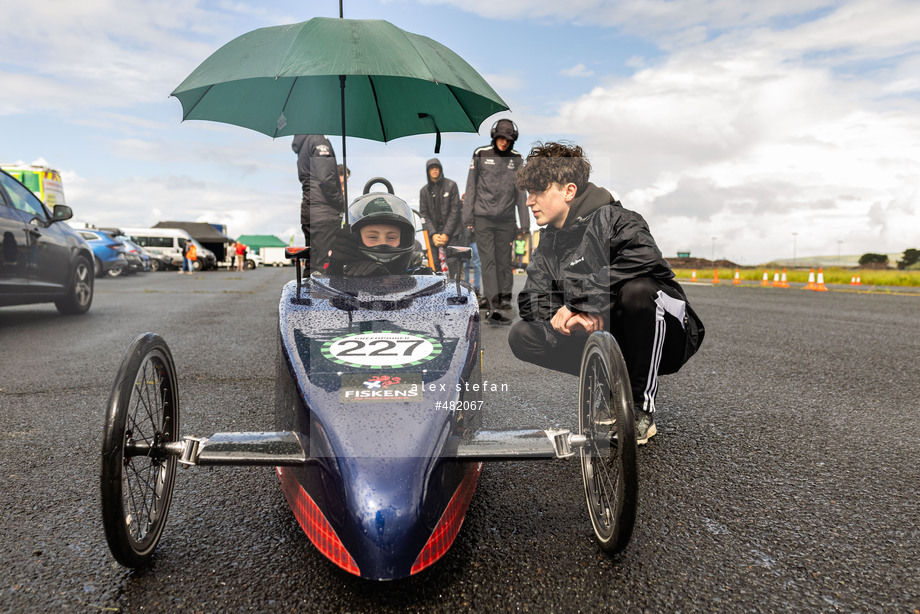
645	427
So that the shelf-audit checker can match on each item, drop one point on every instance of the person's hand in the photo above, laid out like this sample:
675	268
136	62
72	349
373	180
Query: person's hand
345	247
588	322
440	239
566	322
560	319
364	268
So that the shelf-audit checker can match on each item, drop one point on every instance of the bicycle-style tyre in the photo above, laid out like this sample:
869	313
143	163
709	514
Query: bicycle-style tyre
137	472
608	460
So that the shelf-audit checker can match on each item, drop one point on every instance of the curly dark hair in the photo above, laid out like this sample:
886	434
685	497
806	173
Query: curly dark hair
549	163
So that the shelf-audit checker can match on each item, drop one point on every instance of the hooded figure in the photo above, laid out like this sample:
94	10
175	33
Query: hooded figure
323	203
441	209
491	201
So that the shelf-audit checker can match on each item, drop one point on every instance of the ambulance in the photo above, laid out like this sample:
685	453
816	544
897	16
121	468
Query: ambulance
41	180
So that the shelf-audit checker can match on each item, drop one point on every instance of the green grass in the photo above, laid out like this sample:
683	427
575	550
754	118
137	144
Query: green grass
832	275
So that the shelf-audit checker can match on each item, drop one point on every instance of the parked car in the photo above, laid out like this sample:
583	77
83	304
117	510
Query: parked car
110	254
137	250
158	262
42	260
252	260
170	242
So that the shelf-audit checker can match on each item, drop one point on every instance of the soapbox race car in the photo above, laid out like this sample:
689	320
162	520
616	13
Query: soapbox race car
377	438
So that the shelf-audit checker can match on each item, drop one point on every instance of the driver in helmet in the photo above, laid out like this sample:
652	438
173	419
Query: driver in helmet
380	240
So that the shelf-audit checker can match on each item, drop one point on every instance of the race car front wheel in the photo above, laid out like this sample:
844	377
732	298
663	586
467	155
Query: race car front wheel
608	460
137	471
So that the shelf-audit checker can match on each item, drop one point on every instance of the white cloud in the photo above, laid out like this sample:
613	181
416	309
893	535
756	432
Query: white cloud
579	70
750	139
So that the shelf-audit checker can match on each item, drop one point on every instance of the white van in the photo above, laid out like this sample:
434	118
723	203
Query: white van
170	242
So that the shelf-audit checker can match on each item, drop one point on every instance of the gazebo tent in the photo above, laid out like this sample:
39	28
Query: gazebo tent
206	234
257	242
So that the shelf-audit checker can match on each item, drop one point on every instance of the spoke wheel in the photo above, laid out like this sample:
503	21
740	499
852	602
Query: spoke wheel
137	472
608	461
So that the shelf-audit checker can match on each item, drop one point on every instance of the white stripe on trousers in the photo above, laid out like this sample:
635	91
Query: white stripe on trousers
651	385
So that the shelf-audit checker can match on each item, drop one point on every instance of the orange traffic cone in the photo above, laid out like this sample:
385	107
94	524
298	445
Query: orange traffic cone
853	280
693	275
783	282
766	280
821	287
737	280
858	280
811	280
715	276
776	279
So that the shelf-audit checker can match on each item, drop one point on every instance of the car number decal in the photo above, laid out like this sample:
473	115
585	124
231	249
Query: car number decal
381	350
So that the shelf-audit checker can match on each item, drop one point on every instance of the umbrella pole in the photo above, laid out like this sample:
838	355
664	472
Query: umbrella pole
344	153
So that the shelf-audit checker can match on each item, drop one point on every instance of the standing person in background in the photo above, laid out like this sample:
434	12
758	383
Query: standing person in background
520	249
442	212
190	253
491	201
323	200
240	255
344	174
472	268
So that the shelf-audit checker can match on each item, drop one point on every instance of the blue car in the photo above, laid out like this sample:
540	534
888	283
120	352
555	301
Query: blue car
109	253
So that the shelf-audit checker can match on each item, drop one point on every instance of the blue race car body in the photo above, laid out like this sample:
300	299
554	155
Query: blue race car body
380	377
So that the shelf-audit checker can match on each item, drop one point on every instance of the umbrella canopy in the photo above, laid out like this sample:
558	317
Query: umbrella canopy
285	80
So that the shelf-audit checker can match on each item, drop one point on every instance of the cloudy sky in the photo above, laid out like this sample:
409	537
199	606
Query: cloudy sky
745	130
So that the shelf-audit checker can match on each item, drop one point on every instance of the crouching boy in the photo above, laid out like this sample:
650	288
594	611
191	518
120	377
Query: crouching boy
380	240
597	267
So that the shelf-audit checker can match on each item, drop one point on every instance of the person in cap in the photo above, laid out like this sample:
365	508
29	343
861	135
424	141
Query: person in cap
597	267
491	201
323	201
380	240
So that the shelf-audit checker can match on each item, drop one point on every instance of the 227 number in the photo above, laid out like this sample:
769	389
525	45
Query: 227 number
384	349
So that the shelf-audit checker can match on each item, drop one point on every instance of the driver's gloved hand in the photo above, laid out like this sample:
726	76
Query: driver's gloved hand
364	268
345	247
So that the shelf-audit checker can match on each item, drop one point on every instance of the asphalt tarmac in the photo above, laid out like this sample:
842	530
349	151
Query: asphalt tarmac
784	477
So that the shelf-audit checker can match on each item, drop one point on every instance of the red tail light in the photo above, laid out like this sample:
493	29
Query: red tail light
315	525
450	522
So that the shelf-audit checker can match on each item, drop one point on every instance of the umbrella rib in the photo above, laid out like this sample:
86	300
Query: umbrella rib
284	106
460	104
200	98
383	127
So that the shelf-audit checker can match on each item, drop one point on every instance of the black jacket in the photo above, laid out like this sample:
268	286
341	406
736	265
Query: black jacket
490	189
319	175
440	206
582	265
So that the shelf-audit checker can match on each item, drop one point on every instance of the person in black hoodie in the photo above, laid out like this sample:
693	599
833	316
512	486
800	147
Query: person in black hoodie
322	203
440	206
491	200
597	267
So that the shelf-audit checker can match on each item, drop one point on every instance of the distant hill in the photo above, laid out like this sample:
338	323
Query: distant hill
700	263
845	261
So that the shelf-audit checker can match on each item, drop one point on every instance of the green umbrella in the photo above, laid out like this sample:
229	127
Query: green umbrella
291	79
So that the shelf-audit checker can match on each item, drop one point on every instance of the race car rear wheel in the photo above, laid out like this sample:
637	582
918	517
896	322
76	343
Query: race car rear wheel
608	460
137	472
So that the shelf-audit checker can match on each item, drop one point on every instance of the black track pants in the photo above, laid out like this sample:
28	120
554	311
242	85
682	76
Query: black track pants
650	336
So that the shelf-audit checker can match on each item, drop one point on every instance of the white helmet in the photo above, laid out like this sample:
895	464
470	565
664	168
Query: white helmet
383	208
